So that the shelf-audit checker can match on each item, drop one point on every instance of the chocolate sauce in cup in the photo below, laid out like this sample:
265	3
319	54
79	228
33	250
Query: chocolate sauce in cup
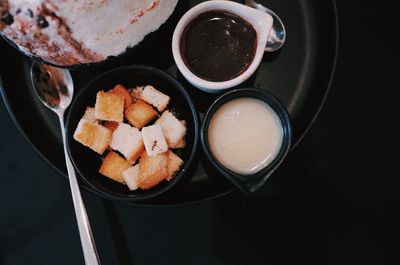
218	45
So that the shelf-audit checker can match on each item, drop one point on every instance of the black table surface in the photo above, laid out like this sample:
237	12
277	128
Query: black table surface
336	200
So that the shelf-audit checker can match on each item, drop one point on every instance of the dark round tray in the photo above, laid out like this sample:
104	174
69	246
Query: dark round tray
299	75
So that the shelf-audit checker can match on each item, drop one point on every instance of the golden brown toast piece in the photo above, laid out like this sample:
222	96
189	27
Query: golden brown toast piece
155	97
93	135
152	170
135	92
113	165
154	140
128	141
89	115
121	91
152	96
109	106
174	164
112	125
131	177
180	145
174	129
140	113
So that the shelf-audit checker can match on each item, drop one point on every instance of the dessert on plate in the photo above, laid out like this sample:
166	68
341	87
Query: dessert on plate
78	32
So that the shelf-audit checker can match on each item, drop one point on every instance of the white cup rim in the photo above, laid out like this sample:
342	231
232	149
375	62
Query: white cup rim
262	23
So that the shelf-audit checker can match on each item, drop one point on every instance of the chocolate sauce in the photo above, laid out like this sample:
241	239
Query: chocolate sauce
7	19
42	22
218	45
29	12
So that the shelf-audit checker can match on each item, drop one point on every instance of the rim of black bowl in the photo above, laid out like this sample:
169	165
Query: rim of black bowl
151	193
248	184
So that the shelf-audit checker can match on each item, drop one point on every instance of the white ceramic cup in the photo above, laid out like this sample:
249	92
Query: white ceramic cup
262	23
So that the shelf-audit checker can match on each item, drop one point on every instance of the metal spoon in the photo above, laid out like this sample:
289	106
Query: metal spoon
278	33
54	87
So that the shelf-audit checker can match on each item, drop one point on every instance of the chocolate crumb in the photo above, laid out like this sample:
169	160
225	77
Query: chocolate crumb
42	22
29	12
45	76
18	11
154	145
7	19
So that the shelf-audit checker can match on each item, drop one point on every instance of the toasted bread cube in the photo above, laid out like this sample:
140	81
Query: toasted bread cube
90	115
113	165
154	140
128	141
179	145
174	164
131	177
109	106
154	97
140	113
182	143
174	130
121	91
112	125
152	170
136	92
93	135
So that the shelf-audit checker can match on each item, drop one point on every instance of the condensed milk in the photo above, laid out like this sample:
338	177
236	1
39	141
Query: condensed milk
245	135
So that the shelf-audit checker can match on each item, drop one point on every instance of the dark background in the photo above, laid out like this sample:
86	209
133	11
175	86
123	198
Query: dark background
337	200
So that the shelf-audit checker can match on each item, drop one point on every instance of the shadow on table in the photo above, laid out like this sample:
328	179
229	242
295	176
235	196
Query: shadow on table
28	206
297	219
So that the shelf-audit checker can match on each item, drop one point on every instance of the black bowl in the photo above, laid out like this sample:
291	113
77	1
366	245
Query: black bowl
87	162
249	183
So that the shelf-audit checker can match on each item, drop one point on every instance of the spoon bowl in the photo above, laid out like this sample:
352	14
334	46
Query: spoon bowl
53	86
277	36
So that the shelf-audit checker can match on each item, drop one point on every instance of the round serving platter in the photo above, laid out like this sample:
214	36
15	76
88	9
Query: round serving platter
299	75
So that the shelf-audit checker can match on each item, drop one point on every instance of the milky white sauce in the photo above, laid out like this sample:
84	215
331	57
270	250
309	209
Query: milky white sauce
245	135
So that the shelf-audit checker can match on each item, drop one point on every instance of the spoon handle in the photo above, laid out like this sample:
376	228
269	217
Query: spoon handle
85	232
